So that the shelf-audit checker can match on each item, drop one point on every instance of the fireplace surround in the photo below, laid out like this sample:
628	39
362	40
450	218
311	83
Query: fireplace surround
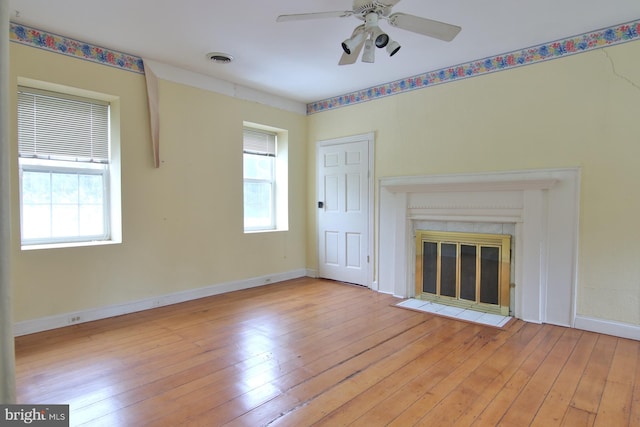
543	206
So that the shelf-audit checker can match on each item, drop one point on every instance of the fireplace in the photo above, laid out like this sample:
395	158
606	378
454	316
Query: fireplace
540	206
467	270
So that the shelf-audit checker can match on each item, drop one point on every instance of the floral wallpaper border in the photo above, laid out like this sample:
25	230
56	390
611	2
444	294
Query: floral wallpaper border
544	52
66	46
582	43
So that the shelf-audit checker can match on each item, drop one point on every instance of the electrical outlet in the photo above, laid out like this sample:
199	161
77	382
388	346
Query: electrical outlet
75	319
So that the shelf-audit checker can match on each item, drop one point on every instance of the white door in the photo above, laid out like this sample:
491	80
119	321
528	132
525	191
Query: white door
344	210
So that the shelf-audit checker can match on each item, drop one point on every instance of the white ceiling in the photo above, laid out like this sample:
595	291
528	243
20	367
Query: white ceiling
298	60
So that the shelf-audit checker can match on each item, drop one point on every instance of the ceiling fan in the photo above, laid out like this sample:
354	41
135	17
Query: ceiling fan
369	34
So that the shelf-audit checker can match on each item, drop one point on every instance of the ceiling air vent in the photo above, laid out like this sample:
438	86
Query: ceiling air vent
219	57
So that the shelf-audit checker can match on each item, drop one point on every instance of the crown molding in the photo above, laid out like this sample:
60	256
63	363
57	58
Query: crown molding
211	84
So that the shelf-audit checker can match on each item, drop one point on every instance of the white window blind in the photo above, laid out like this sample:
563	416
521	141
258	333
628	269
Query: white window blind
256	142
62	128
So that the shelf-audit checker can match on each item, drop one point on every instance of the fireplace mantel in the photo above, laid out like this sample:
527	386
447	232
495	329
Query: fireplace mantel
543	205
436	184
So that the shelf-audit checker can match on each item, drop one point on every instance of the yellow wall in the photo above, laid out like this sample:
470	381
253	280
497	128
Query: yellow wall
582	110
182	223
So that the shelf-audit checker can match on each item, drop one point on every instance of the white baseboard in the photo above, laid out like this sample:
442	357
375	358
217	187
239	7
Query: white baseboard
58	321
609	327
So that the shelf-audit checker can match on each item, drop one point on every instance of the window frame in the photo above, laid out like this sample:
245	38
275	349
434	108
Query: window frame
271	181
108	169
280	189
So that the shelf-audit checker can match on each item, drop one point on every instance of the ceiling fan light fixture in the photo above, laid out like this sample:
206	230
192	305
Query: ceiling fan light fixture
351	43
380	37
369	36
393	47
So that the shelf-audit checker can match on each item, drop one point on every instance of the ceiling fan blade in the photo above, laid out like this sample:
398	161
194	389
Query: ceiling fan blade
389	3
347	59
424	26
316	15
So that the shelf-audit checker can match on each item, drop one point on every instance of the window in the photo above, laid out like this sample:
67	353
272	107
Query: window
65	168
259	166
266	178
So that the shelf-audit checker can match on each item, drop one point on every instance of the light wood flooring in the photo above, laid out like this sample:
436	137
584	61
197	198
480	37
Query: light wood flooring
313	352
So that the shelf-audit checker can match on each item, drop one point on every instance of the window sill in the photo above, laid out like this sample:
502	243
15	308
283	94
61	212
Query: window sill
271	230
69	245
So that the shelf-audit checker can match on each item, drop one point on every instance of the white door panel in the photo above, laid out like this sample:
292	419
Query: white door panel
331	248
344	218
354	250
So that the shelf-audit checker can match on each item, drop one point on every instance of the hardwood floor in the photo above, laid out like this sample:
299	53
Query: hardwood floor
314	352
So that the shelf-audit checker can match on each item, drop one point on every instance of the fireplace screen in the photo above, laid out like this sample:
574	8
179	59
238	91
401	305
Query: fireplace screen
468	270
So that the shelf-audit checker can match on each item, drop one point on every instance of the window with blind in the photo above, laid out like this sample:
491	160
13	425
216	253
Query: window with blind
259	174
64	160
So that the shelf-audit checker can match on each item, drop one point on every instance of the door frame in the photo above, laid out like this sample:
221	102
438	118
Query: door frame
370	138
